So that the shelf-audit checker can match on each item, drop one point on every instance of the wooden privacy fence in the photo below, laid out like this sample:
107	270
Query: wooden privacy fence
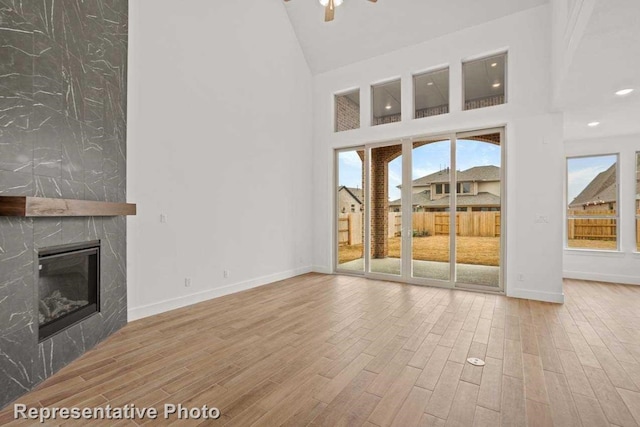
395	224
591	228
350	229
475	224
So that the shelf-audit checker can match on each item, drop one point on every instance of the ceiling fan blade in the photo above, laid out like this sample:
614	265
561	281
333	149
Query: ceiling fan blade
329	11
372	1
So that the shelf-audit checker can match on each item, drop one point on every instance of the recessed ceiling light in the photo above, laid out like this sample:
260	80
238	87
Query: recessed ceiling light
623	92
495	64
593	124
388	107
430	84
496	85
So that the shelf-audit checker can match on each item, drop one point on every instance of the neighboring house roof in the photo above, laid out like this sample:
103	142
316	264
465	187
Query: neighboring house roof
419	199
478	173
423	199
601	189
356	193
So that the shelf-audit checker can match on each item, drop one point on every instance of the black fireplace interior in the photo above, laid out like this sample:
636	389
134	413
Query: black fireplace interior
68	285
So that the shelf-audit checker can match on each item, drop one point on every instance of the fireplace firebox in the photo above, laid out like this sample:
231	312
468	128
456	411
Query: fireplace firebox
68	286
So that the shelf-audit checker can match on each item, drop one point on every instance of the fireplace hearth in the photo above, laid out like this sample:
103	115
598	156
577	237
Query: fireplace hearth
68	286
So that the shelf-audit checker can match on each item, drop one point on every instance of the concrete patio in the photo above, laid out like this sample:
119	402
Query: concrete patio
466	273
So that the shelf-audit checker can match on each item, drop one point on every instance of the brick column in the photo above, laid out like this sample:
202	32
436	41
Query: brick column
380	158
379	204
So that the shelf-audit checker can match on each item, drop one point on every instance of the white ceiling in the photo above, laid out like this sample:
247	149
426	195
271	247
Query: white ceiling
606	60
363	29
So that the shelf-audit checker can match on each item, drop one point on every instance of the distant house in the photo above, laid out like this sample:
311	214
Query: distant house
478	190
350	199
602	193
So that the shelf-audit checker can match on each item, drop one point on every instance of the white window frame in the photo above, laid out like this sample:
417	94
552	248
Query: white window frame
635	202
373	99
506	77
569	217
425	73
335	108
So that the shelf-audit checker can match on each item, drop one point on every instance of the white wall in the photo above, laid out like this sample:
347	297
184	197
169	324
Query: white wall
219	140
534	138
622	266
569	22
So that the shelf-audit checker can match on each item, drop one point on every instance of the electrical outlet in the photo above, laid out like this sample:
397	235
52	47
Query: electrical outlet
542	219
521	277
225	274
187	282
163	218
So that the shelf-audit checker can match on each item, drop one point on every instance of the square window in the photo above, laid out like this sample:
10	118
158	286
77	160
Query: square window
386	103
431	93
485	82
442	188
464	188
347	111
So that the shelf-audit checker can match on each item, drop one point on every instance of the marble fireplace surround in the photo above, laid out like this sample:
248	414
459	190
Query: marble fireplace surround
62	136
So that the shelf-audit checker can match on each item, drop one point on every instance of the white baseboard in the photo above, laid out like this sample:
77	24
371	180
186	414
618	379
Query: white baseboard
322	269
536	295
598	277
135	313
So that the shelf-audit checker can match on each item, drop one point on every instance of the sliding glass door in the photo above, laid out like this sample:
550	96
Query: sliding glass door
432	212
350	200
478	207
431	243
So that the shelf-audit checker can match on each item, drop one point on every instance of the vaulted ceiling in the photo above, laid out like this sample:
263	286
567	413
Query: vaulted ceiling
362	29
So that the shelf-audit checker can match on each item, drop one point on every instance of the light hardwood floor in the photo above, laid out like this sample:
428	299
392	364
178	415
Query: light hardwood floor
333	350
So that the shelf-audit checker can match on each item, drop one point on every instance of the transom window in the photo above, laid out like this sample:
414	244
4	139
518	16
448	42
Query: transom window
347	111
431	93
386	103
485	82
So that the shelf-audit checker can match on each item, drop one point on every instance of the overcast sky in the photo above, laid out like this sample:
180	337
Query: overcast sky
427	159
582	170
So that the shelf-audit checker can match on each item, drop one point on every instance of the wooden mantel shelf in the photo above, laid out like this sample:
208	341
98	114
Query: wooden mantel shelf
44	207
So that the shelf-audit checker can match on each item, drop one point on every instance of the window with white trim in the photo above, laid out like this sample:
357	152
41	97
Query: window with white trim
431	93
637	201
386	103
484	82
347	111
592	202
